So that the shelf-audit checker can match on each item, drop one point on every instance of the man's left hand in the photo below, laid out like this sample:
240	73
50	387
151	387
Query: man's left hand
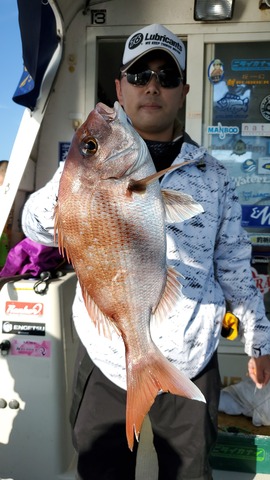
259	370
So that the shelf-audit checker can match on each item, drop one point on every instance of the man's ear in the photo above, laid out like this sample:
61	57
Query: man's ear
186	88
185	91
119	91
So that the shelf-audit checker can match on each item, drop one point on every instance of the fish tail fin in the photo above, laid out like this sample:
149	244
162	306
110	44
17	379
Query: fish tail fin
144	381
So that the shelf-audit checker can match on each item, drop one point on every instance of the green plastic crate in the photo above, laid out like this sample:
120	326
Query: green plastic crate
241	452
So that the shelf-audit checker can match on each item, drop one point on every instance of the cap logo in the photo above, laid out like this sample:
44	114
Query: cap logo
163	39
153	37
135	41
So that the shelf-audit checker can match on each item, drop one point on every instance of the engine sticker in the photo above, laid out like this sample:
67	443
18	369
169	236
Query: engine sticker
23	328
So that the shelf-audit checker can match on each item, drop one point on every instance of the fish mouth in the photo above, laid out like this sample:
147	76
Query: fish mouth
106	112
131	157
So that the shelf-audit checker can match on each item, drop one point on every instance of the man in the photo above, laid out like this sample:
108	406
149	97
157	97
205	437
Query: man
212	253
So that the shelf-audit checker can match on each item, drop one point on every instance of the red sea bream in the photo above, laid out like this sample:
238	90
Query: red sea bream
110	220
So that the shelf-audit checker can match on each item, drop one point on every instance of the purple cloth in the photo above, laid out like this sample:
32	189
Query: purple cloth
31	257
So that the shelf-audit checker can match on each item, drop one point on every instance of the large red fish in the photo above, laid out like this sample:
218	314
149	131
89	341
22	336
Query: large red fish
110	220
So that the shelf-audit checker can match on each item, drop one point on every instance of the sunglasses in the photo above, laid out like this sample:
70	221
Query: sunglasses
167	78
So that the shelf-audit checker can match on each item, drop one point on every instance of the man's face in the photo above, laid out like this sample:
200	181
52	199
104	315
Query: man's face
151	108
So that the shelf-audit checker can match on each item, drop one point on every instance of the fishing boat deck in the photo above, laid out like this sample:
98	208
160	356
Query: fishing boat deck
147	462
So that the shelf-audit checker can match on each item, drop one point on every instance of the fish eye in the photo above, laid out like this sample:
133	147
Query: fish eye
88	146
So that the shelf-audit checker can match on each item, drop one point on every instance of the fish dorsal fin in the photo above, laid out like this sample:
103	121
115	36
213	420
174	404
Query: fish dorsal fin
102	322
171	295
179	206
139	186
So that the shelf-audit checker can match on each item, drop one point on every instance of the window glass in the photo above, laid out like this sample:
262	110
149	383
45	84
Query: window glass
238	127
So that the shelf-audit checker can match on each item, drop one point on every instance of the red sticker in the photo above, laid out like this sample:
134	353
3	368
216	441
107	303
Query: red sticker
24	308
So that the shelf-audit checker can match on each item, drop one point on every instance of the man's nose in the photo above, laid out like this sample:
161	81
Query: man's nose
153	84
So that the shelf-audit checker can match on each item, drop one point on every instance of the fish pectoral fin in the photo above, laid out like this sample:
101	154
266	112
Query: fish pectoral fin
179	206
101	321
58	235
145	380
171	295
56	228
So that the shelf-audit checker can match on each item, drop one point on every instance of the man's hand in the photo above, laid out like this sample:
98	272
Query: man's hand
259	370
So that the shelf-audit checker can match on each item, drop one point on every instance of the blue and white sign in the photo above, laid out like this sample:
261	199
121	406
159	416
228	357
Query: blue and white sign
222	130
256	215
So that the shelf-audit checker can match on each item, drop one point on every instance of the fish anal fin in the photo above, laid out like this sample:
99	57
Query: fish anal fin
102	322
145	380
170	297
179	206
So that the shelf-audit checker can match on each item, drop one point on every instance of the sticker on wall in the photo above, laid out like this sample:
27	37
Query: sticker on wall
255	215
215	71
253	179
27	348
249	165
23	308
248	80
232	106
250	64
239	148
262	281
222	130
265	108
262	239
22	328
249	195
255	130
264	166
